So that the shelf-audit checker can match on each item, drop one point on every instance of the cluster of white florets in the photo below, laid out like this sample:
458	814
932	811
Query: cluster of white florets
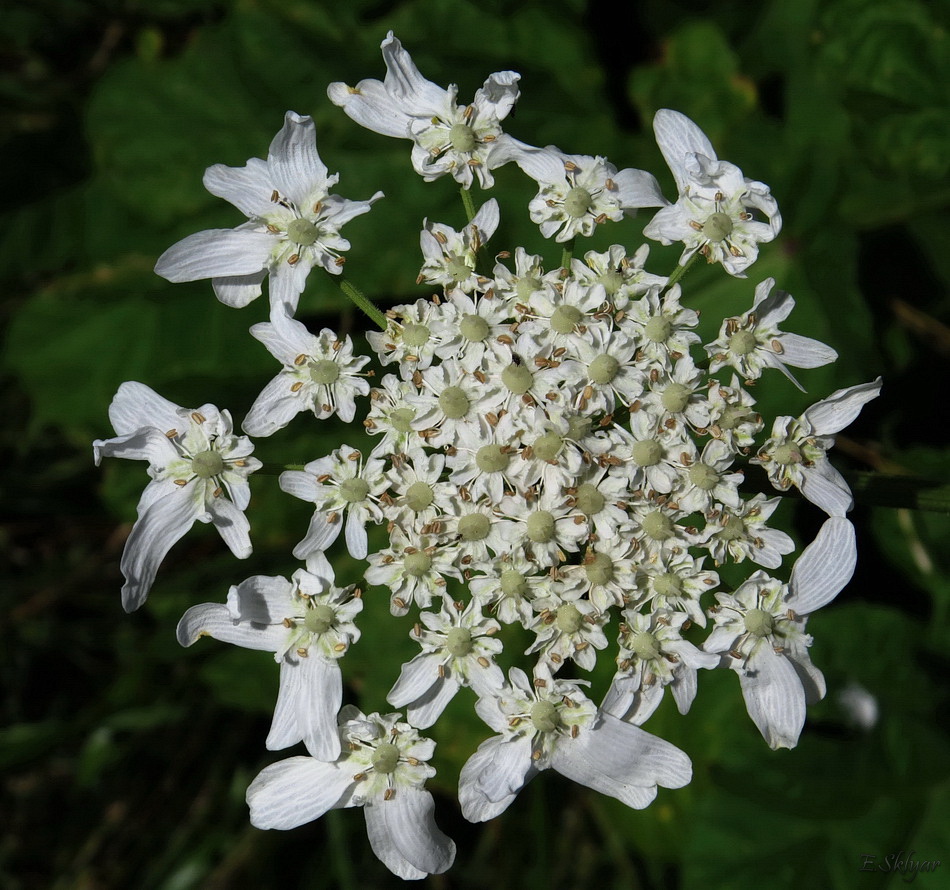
553	447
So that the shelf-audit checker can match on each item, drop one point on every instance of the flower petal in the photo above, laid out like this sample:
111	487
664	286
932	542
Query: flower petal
493	776
215	620
216	253
296	169
318	703
841	408
295	791
248	188
824	567
774	697
677	137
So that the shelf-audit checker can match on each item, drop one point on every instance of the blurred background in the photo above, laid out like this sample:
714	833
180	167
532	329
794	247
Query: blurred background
123	758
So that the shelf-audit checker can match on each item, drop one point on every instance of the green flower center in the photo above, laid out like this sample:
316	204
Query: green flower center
579	427
540	527
513	584
759	623
742	342
548	446
675	397
324	372
600	570
732	529
458	269
645	646
612	281
418	564
415	335
474	328
669	584
206	464
732	416
603	369
303	232
491	459
385	758
319	619
658	526
544	716
647	453
474	527
577	202
462	137
459	641
527	286
658	329
569	618
453	402
564	318
786	454
418	496
354	490
703	476
718	227
517	378
589	499
401	419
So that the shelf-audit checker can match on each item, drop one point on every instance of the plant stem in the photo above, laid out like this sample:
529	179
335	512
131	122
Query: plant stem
357	296
567	254
468	203
680	271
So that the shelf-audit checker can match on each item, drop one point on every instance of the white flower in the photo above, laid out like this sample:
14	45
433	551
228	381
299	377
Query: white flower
576	192
463	141
796	454
308	624
760	633
199	471
741	533
320	374
715	211
753	341
294	224
383	769
552	724
458	650
450	256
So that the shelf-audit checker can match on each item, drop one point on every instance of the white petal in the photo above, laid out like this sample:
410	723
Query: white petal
424	711
149	444
295	791
825	487
638	189
214	620
677	136
403	834
248	188
232	525
284	729
357	542
294	164
804	352
493	776
274	408
165	521
136	406
418	96
824	567
622	761
841	408
238	290
261	599
321	696
415	679
774	697
320	535
371	106
216	253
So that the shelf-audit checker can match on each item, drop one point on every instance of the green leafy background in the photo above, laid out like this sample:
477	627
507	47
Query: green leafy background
124	759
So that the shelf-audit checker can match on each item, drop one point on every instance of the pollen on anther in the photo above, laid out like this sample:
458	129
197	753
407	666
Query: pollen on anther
198	417
303	652
171	434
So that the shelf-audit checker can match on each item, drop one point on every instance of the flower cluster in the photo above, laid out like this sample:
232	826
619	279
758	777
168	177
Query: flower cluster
549	447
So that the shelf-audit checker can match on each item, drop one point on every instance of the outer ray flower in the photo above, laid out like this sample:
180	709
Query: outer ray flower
320	374
552	724
464	141
714	213
450	256
796	454
199	471
383	769
293	224
760	633
308	624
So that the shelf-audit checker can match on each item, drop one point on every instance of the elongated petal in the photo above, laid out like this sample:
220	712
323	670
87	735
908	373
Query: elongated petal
295	791
825	487
622	761
321	696
493	776
415	679
166	520
805	352
238	290
232	525
371	106
295	166
285	728
357	542
136	406
677	137
249	188
824	567
424	711
412	92
216	253
833	414
214	620
274	408
774	697
149	444
261	599
638	188
403	834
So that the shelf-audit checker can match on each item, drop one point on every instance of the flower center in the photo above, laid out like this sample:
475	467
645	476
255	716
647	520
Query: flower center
759	623
415	335
527	286
658	526
564	318
668	584
611	281
540	527
474	527
703	476
603	369
787	454
578	202
589	499
579	427
324	372
303	232
462	137
418	496
459	641
675	397
354	490
206	464
491	459
401	419
513	584
319	619
732	529
647	453
658	329
742	342
718	227
517	378
645	646
453	402
474	328
548	446
569	618
418	563
385	758
544	716
458	269
600	570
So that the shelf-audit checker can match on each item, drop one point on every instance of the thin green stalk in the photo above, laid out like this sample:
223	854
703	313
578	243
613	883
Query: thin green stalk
680	271
468	203
362	303
567	254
